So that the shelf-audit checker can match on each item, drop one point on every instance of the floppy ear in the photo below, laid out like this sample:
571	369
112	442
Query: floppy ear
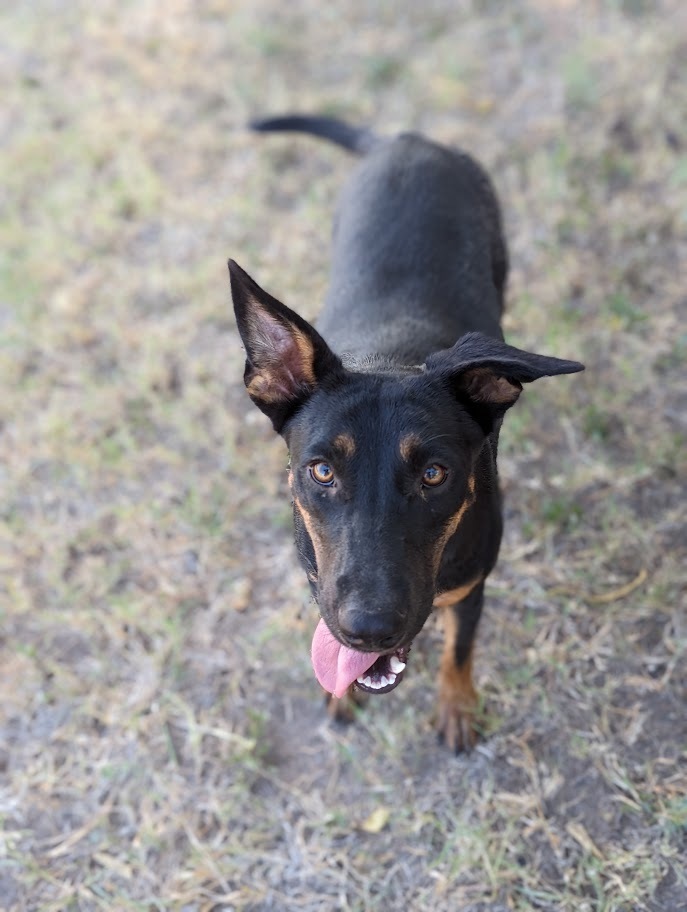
286	359
487	375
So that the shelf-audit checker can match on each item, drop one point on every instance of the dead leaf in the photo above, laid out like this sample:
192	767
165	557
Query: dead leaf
377	820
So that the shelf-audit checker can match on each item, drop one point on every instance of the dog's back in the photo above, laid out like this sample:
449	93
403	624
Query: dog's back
418	255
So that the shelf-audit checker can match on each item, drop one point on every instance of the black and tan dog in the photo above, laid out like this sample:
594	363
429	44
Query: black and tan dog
391	412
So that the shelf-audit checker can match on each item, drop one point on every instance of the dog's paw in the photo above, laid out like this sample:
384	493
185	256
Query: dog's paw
457	719
343	710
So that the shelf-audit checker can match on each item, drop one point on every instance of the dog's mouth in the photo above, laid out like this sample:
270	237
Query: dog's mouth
385	673
337	667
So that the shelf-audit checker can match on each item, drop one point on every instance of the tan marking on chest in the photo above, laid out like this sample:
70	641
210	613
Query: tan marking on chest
453	596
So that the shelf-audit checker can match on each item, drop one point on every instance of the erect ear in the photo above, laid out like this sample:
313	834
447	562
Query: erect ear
488	375
286	359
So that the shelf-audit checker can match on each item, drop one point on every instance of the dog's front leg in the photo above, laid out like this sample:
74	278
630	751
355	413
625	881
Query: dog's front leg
458	699
343	709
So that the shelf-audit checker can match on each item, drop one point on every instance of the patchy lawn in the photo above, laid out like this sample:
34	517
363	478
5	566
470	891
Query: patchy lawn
163	744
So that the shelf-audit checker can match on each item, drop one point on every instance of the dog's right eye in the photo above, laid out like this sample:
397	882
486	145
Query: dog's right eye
322	473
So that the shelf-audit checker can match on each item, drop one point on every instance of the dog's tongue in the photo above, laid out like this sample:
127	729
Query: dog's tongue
336	666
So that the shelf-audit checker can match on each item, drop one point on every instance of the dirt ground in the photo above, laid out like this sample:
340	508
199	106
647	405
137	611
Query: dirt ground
163	744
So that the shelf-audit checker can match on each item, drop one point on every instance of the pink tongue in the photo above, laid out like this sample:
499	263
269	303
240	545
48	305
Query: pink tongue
336	666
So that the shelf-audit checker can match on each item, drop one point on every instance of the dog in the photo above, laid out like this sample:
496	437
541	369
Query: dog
391	411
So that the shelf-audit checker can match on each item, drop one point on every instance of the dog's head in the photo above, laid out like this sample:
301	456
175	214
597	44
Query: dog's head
382	472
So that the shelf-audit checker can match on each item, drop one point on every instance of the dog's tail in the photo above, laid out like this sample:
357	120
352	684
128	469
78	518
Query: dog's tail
356	139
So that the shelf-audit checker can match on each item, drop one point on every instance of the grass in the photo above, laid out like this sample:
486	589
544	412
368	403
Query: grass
162	741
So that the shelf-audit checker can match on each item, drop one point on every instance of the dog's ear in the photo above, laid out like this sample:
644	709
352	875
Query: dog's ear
487	375
286	359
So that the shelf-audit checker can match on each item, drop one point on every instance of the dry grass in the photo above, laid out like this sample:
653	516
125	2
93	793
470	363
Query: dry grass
162	740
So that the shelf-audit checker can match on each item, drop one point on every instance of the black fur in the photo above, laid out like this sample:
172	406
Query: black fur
414	372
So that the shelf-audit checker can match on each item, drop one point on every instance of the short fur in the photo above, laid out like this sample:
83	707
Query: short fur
414	375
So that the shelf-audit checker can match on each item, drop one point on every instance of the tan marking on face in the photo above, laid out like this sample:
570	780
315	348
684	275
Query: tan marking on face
345	443
408	445
317	542
453	523
453	596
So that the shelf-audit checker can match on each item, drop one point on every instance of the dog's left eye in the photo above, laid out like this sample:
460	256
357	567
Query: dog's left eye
322	473
434	475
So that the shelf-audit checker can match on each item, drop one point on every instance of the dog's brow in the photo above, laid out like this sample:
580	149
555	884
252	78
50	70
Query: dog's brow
409	445
345	444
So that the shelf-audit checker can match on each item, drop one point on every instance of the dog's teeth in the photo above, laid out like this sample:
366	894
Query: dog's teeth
379	683
396	665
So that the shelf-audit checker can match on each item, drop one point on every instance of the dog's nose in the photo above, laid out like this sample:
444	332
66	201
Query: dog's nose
373	630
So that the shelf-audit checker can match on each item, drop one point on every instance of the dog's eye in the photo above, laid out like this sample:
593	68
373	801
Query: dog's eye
434	475
322	473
